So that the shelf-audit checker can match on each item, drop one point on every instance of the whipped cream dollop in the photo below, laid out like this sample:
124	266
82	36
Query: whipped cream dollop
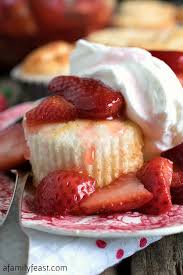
153	94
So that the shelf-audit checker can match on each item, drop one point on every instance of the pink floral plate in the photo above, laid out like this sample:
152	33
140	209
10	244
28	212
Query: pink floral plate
131	224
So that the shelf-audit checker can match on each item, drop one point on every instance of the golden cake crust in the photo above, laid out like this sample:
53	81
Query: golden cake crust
146	14
49	59
125	37
170	39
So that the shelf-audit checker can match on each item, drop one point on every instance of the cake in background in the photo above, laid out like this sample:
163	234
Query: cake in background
146	14
26	24
170	39
40	66
164	44
126	37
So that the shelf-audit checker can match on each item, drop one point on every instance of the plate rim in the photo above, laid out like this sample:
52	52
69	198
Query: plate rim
156	232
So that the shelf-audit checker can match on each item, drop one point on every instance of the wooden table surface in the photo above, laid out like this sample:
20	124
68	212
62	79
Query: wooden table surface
164	257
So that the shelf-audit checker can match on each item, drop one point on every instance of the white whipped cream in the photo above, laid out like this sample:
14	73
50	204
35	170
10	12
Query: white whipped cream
153	94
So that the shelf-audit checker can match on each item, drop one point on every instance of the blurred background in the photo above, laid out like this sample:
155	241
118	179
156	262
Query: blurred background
27	25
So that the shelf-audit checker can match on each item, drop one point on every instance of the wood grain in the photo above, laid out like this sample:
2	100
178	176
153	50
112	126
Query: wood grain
110	271
164	257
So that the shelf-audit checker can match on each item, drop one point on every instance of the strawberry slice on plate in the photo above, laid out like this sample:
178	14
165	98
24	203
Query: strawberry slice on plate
124	194
156	175
175	154
13	114
61	191
92	98
12	147
177	187
51	109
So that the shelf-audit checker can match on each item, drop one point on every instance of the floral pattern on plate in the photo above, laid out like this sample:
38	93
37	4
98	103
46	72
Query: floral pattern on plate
122	224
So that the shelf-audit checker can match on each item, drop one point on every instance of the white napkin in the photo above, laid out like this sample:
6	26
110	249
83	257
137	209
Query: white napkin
81	256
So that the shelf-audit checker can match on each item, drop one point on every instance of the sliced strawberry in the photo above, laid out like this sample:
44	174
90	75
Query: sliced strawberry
61	191
3	103
177	187
175	154
91	97
156	175
124	194
13	114
12	146
51	109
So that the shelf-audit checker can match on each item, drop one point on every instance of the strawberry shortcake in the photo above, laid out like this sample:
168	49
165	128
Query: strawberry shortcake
95	143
